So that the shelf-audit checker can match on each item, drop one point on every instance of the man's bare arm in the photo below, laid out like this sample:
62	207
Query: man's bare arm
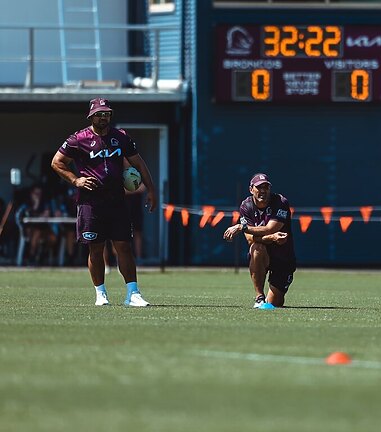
61	165
272	227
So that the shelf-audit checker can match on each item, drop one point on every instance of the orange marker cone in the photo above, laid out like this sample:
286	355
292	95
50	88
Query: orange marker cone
338	358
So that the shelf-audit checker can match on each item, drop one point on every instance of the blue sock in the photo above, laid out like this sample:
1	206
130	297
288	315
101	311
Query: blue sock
132	288
100	288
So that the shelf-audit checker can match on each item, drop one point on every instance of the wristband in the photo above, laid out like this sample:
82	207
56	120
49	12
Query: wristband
243	222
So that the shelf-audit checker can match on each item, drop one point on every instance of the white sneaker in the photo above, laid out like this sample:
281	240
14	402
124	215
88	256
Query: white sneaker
102	299
137	300
259	301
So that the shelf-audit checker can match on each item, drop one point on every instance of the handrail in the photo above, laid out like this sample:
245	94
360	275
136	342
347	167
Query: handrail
31	58
49	219
145	27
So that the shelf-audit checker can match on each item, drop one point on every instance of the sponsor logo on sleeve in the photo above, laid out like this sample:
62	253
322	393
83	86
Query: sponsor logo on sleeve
282	214
64	145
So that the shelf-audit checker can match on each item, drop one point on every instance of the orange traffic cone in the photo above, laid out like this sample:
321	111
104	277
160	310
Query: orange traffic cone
338	358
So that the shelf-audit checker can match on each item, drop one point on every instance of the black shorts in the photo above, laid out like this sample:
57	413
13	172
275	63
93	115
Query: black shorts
96	224
281	274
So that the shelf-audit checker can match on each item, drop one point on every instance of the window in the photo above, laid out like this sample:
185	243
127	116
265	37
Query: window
159	6
244	3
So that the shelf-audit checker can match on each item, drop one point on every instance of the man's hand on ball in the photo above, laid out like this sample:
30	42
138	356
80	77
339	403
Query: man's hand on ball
89	183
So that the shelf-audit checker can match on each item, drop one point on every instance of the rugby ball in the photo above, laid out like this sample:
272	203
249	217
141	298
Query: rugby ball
131	179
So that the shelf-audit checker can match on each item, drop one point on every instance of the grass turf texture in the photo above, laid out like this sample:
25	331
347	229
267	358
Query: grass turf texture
67	365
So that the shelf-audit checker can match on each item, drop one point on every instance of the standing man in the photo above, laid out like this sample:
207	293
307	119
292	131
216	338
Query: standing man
266	223
100	153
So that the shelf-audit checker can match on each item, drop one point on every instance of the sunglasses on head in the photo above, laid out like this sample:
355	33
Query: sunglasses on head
102	114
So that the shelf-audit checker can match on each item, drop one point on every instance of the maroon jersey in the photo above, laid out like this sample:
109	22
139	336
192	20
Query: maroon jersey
279	210
100	157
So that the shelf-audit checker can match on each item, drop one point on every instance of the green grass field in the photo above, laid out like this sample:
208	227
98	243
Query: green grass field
200	360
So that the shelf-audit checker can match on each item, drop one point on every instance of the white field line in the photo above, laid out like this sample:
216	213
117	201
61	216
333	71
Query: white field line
282	359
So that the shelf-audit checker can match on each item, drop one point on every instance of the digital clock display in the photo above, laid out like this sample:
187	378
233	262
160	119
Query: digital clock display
301	41
298	63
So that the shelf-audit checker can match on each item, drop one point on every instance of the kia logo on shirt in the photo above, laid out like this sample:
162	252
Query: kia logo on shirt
106	153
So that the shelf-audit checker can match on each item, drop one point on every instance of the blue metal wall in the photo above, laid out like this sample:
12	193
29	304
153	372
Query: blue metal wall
316	156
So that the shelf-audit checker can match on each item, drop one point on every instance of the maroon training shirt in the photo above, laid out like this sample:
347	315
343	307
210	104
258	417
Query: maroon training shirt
279	210
100	157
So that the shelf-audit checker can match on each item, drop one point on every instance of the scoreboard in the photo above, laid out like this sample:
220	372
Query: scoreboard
297	63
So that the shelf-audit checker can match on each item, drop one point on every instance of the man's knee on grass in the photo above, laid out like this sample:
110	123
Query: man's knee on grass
275	296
